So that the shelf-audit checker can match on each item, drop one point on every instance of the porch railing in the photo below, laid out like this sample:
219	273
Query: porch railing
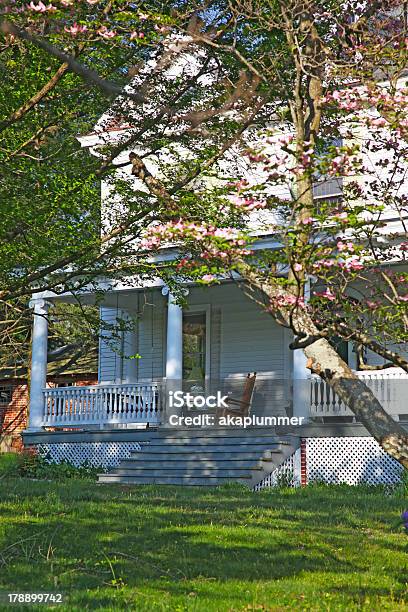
102	404
389	386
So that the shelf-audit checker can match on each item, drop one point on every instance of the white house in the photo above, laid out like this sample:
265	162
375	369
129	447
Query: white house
214	342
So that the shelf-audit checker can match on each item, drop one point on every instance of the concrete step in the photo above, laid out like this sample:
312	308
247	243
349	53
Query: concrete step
186	464
213	448
196	472
170	458
213	432
172	480
205	440
234	455
199	459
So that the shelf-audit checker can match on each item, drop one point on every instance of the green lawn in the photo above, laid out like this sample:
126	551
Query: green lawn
157	548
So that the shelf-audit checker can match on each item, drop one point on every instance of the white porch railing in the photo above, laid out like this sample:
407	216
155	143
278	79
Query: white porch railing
389	386
102	404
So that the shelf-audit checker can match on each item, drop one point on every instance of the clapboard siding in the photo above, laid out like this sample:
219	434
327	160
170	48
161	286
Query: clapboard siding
109	367
149	310
248	338
152	337
243	338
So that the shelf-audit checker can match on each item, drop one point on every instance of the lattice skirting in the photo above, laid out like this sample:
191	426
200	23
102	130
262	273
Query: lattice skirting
348	460
287	474
97	454
353	461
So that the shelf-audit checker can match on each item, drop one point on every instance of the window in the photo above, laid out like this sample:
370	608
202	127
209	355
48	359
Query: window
325	188
194	348
6	393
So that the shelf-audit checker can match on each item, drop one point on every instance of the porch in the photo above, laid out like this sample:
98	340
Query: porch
218	338
135	404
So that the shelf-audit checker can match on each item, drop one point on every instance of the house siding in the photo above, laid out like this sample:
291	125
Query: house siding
243	337
109	367
148	308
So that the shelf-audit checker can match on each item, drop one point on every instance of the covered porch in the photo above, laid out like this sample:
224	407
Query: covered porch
219	337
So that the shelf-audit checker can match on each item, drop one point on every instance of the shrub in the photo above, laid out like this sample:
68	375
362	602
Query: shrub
31	465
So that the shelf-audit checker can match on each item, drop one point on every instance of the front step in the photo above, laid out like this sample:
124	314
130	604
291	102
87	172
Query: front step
187	449
252	455
163	480
207	458
203	441
175	464
197	472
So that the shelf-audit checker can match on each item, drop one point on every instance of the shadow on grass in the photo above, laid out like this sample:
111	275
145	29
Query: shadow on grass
81	536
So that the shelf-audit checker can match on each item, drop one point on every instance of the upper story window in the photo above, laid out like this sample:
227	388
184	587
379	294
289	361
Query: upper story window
325	187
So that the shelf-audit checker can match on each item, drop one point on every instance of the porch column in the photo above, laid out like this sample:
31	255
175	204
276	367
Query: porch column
174	346
39	347
301	378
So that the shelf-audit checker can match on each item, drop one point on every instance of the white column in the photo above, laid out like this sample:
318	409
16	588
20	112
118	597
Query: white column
39	347
174	346
301	385
301	378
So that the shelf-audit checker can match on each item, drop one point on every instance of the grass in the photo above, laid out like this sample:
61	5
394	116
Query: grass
168	548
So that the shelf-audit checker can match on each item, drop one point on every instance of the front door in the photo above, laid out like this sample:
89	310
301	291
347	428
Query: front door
194	350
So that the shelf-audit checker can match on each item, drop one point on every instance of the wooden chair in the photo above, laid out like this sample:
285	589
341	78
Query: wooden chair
240	407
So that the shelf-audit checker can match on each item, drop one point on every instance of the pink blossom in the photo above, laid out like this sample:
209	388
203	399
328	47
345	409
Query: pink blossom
307	220
282	301
285	140
326	263
40	7
207	278
297	267
327	295
342	216
240	184
345	246
136	35
105	33
76	29
354	264
161	29
380	122
184	262
403	298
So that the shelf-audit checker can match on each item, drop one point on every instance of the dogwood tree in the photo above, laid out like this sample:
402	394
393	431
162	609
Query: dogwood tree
346	248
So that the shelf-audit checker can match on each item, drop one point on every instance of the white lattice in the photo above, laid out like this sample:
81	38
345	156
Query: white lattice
97	454
350	460
288	473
